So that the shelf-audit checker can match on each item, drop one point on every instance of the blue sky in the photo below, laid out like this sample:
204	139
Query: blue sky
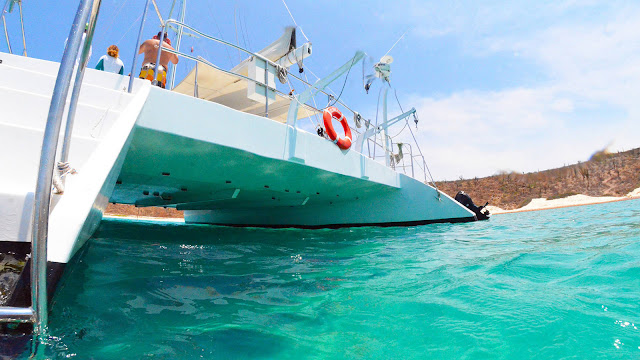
498	85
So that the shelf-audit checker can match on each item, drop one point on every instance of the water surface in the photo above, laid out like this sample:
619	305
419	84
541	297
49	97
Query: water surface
554	284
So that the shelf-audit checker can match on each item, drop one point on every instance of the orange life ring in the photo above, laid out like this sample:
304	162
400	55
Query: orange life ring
329	114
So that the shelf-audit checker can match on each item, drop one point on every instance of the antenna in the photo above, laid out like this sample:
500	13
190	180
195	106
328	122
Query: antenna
382	70
394	45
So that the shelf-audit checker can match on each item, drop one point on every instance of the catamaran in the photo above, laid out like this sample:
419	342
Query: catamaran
223	145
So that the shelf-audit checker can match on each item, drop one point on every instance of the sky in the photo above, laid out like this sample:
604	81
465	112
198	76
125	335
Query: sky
498	85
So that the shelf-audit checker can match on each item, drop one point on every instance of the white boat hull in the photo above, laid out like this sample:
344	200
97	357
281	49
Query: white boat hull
220	165
226	167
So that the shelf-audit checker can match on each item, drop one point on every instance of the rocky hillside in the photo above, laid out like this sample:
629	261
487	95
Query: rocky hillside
605	174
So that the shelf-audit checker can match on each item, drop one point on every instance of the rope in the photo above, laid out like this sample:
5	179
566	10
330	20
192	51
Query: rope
401	130
283	74
57	184
294	20
63	169
343	85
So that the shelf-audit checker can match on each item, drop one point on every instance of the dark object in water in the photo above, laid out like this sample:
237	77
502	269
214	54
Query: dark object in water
482	213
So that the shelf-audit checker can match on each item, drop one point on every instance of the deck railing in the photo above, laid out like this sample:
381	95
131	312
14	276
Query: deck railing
6	9
181	25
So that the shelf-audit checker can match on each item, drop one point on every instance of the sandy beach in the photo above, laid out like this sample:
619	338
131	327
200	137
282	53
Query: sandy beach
574	200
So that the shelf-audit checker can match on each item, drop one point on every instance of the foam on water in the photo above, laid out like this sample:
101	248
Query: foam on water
552	284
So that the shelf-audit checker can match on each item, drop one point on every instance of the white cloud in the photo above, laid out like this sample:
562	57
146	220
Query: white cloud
589	100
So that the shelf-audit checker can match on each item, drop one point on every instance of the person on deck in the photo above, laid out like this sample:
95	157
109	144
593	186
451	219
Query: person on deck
110	62
150	49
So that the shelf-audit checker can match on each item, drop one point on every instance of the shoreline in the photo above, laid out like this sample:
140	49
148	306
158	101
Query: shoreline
537	204
570	201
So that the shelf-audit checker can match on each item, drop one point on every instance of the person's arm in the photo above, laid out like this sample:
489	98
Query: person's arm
174	57
143	47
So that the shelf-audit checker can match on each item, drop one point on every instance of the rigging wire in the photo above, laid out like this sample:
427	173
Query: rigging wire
244	40
235	8
406	121
415	142
226	48
294	21
243	26
343	86
115	17
317	77
129	29
401	130
330	90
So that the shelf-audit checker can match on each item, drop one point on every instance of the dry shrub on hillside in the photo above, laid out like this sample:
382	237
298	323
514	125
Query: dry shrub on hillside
605	174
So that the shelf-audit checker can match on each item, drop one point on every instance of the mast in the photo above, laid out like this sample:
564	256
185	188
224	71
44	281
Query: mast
178	40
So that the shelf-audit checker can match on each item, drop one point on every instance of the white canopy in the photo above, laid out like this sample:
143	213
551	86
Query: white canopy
223	88
229	90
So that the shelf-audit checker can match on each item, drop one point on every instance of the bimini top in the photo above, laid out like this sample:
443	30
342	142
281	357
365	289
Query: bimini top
227	89
223	88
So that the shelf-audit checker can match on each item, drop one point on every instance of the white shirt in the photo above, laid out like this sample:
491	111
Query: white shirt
110	64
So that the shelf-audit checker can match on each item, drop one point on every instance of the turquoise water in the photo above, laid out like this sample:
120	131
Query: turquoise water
555	284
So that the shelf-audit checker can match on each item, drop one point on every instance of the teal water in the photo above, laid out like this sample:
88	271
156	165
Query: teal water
554	284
